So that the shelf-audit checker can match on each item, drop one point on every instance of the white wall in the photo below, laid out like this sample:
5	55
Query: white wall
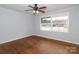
14	25
72	36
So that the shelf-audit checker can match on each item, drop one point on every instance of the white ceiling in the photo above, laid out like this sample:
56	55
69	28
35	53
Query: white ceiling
50	7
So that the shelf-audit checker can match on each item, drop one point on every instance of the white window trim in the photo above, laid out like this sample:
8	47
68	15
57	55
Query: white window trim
58	15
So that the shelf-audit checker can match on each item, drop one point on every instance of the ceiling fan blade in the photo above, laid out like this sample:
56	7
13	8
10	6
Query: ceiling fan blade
29	10
41	11
31	6
43	7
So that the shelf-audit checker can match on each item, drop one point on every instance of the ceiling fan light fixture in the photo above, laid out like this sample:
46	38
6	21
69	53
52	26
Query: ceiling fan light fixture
35	11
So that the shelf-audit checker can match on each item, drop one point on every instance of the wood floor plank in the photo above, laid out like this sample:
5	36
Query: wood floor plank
38	45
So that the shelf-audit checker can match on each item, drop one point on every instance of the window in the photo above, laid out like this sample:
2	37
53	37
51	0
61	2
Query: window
45	23
57	23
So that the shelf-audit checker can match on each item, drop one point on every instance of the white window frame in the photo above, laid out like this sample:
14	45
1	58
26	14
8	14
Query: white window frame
59	16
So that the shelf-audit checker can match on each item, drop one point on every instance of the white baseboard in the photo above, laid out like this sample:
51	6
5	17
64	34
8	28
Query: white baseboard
58	39
15	39
41	36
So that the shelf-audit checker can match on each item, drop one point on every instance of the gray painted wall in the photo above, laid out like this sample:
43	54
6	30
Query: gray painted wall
72	36
14	25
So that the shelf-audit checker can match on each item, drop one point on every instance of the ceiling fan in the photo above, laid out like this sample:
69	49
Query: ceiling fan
37	9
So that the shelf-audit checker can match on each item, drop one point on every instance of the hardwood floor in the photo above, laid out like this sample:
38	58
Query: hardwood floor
38	45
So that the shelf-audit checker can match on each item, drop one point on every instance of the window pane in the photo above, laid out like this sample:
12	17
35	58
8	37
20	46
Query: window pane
46	27
60	24
46	20
59	29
